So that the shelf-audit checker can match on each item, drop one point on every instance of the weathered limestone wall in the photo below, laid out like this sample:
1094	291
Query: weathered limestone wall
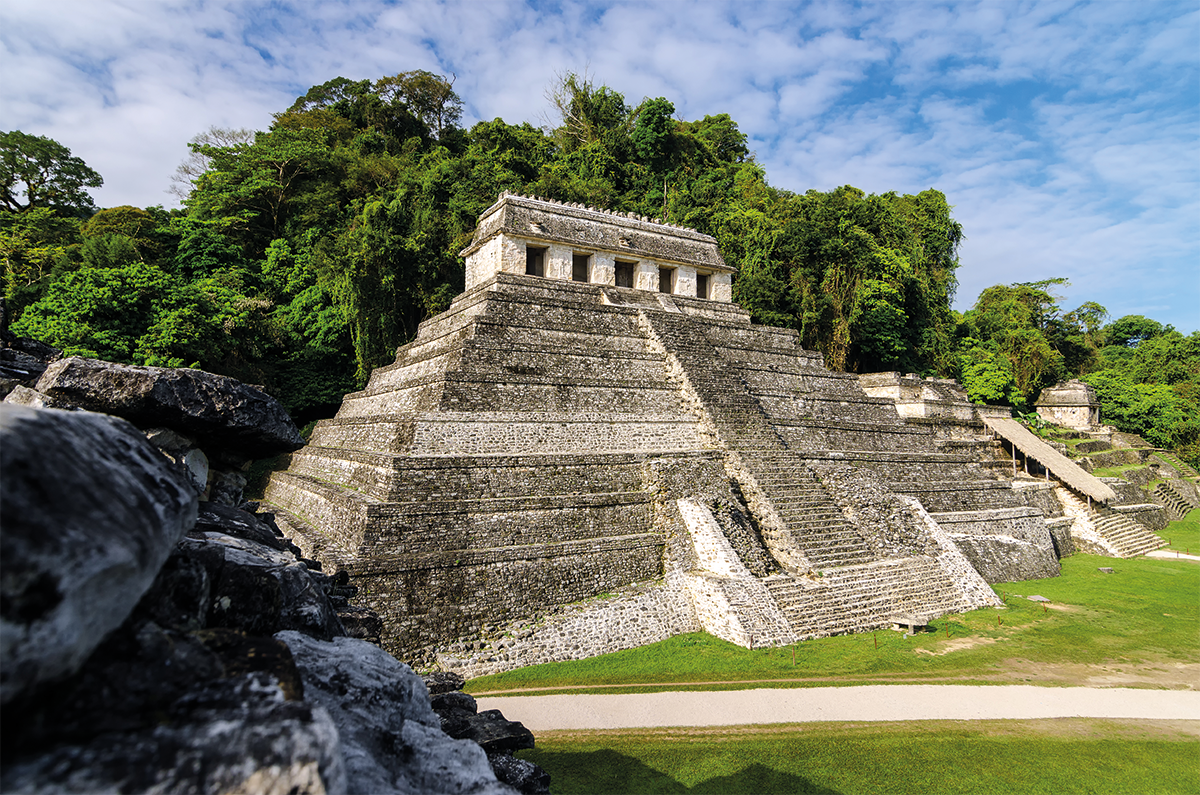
620	618
1070	403
635	616
1004	544
1000	558
919	397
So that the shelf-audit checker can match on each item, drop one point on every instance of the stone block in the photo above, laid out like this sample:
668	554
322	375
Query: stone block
91	511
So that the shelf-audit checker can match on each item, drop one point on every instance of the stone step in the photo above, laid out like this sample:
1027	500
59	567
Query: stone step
1128	537
794	494
1177	507
818	525
865	597
816	513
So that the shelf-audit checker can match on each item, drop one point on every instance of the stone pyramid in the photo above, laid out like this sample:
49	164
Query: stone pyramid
558	467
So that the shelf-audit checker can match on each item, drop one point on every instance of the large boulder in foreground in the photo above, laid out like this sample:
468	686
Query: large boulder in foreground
234	735
90	511
391	739
257	589
223	413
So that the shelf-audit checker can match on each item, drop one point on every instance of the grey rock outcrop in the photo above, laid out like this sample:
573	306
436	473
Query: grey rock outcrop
185	689
21	395
390	736
222	413
22	360
90	511
237	735
257	589
210	426
460	718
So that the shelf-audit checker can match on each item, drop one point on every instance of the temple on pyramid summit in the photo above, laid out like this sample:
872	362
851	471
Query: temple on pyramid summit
593	449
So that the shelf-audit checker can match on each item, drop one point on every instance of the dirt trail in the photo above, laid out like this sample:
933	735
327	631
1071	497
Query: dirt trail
866	703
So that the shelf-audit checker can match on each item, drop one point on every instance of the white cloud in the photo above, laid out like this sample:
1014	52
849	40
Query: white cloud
1064	133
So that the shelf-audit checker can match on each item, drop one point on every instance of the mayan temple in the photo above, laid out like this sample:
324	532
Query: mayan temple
594	449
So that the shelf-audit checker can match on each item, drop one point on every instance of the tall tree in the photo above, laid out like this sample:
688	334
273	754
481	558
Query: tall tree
36	171
253	189
429	97
1025	323
190	170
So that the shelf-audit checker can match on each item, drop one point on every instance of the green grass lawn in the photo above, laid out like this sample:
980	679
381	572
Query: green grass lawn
1044	756
1184	535
1138	626
1117	471
1143	617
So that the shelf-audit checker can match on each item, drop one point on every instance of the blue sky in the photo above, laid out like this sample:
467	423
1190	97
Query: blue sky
1065	134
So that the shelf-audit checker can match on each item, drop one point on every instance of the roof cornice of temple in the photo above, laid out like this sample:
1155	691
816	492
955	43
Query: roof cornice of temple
581	226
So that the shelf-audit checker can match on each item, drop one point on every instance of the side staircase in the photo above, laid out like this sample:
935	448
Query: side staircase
1184	469
1106	532
1176	502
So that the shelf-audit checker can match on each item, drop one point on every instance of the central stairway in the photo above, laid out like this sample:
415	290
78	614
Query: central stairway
740	384
814	520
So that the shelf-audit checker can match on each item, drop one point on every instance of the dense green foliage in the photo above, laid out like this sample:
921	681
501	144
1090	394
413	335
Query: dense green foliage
867	280
307	252
1150	385
1016	340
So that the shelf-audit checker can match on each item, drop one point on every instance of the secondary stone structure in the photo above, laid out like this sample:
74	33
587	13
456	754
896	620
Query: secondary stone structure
594	448
1070	403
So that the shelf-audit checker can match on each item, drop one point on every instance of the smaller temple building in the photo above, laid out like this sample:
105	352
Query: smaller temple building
572	242
1070	403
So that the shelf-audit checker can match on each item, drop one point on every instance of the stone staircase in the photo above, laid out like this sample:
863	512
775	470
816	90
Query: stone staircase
737	417
1128	537
1184	469
864	597
855	590
814	520
1106	532
1174	500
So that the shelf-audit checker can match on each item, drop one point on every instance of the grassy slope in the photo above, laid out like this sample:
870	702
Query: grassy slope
1063	756
1144	615
1184	535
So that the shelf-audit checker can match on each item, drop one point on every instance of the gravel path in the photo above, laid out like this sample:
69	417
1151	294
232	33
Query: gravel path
1171	554
869	703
